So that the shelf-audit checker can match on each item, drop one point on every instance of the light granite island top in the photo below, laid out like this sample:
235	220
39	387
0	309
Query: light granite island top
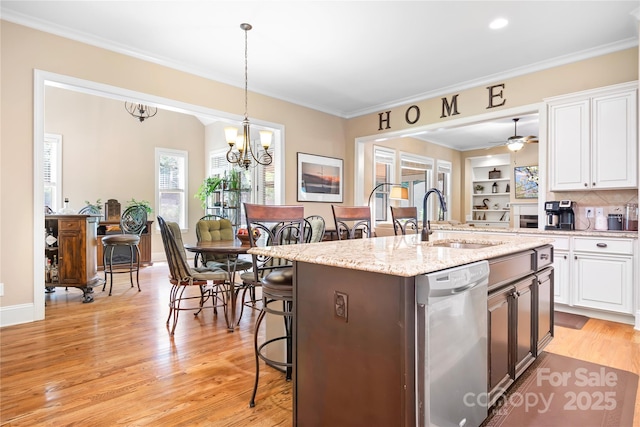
404	256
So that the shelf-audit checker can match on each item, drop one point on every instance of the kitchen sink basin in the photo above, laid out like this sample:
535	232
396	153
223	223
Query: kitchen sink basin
461	245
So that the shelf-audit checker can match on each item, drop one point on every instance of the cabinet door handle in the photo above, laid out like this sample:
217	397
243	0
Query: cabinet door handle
593	184
586	185
575	257
544	256
565	257
601	245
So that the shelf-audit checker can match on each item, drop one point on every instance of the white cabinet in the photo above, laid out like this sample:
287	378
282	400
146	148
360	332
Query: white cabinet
595	276
490	205
603	274
593	139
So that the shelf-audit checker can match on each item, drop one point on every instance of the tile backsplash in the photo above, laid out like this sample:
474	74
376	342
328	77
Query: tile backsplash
612	201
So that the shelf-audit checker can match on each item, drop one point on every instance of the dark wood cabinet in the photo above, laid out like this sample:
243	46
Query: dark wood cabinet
522	318
75	252
110	227
500	377
544	299
520	314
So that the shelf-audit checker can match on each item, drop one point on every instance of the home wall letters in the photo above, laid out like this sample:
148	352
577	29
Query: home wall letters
412	113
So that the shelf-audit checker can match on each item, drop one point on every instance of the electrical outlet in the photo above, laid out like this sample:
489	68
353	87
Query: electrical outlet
341	305
599	211
588	212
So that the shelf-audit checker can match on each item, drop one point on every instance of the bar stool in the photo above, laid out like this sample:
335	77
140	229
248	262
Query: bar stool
274	225
404	219
132	223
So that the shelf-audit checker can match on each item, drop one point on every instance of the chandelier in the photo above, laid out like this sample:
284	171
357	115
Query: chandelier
241	151
140	111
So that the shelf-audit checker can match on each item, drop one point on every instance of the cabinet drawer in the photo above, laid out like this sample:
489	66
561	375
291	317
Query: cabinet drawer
544	257
510	268
68	225
603	245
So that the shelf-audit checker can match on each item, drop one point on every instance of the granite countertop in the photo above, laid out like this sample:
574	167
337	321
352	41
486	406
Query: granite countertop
569	233
404	256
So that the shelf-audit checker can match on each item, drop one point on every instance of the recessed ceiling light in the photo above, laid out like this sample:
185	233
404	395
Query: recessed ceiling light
498	23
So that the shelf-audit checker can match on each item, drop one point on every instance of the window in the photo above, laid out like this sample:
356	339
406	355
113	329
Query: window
53	171
384	171
417	175
260	179
171	185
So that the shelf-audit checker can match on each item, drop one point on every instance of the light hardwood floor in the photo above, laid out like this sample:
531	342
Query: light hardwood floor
112	362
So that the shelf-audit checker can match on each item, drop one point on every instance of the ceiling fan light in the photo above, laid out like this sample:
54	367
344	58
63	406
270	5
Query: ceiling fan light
515	146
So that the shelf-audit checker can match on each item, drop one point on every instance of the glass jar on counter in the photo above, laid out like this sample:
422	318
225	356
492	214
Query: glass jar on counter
631	217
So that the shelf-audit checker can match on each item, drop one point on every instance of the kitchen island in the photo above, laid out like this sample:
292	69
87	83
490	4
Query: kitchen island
356	320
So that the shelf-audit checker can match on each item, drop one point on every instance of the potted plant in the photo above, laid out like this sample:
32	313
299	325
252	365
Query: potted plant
207	188
478	188
145	204
93	208
235	179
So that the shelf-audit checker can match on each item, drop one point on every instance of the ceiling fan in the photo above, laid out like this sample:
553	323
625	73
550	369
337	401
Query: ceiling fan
516	142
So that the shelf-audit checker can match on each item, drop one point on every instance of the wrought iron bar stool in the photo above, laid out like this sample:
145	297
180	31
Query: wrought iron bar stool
274	225
132	222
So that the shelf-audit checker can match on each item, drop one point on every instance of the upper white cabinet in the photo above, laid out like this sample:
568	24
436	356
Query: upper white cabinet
593	140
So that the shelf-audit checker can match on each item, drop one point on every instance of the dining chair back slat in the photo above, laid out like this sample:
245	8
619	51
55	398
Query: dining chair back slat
405	219
350	221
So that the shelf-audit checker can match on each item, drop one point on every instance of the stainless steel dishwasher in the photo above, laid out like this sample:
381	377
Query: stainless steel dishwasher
452	346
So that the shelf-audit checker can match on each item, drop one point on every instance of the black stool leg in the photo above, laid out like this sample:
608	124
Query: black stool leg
252	402
138	267
111	270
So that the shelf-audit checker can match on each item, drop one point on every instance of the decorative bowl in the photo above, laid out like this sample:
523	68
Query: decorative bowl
244	238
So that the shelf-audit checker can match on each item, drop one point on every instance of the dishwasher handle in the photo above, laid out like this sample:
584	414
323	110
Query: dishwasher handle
444	292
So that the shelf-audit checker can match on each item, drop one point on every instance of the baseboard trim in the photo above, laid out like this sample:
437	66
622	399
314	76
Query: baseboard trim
598	314
17	314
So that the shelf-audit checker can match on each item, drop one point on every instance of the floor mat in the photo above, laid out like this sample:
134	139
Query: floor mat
568	320
562	391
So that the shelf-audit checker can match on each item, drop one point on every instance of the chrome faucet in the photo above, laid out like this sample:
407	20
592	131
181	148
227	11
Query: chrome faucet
425	223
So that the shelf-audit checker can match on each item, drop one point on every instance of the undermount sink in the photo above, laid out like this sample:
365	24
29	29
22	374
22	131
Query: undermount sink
461	245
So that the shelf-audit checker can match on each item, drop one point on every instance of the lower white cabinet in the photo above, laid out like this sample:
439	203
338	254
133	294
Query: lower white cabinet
603	274
562	277
594	273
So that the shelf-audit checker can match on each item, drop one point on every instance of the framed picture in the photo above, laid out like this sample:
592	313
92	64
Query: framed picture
526	180
319	179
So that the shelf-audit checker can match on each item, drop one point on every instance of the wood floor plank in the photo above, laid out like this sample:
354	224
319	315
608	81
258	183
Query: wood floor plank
113	362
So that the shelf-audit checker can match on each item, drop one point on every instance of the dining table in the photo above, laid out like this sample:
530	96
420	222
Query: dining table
232	249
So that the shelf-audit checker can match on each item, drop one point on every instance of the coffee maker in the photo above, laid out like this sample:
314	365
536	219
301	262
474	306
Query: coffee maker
560	215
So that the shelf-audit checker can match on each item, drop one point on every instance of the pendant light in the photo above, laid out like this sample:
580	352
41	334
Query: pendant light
241	151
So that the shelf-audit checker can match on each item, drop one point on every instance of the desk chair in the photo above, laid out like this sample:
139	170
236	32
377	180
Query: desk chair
351	221
132	223
404	219
181	276
276	225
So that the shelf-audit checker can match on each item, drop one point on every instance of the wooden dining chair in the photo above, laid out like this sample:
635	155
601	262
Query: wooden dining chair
271	226
352	221
405	219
